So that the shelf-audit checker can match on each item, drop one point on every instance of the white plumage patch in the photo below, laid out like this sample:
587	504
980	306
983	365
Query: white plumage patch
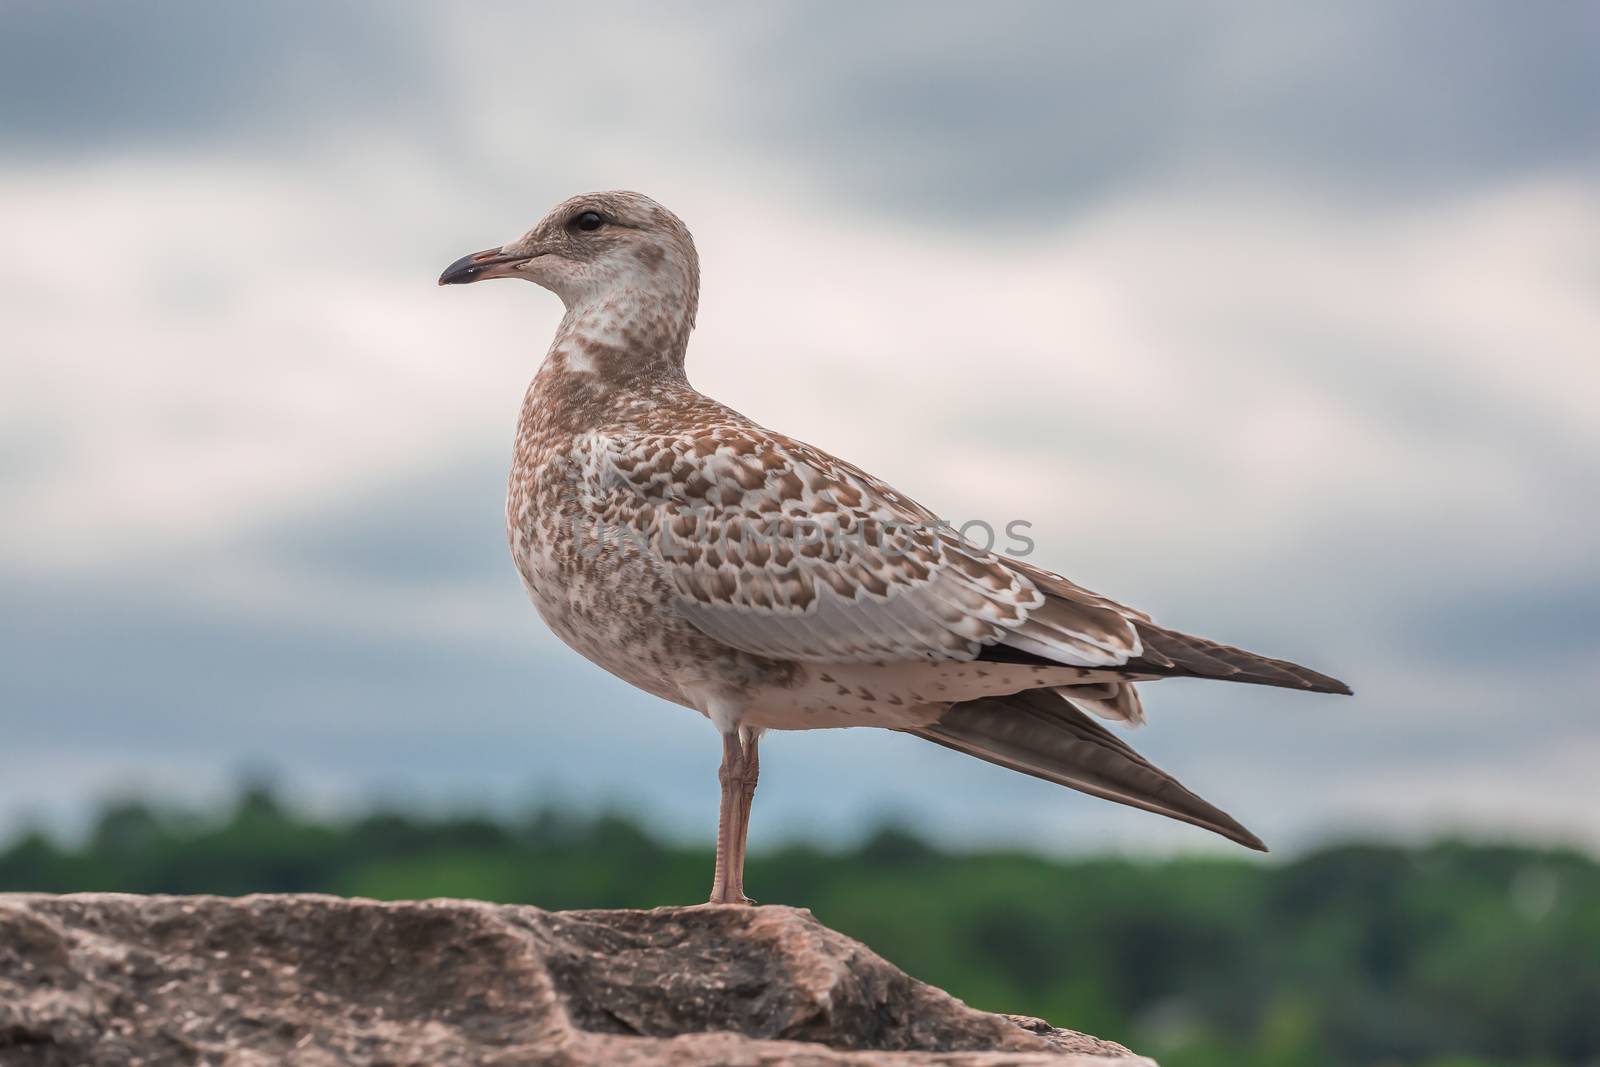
1117	701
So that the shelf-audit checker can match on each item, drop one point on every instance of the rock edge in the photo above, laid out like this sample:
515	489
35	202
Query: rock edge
102	978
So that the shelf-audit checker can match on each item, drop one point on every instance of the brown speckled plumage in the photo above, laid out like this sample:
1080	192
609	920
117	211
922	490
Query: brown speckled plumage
769	585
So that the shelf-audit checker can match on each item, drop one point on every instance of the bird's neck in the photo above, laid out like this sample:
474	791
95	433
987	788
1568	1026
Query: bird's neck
628	335
611	358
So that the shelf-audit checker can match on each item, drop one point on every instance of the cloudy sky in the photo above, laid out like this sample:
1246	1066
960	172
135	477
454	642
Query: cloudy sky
1280	321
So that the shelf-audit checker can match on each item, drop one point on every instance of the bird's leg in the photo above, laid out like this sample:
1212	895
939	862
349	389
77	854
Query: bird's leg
727	887
747	794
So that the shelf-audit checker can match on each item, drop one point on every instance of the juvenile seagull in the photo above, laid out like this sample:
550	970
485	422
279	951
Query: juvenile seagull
771	586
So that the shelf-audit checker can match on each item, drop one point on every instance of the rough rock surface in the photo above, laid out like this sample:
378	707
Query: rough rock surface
103	979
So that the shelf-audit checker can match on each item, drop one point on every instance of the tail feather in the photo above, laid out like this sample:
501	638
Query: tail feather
1170	653
1117	701
1039	734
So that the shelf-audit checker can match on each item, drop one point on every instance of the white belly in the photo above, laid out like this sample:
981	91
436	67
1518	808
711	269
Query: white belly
894	696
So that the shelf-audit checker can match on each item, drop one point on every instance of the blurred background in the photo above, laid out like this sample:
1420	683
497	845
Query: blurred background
1281	322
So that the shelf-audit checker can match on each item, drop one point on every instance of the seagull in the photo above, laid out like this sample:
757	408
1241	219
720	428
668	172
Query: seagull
769	585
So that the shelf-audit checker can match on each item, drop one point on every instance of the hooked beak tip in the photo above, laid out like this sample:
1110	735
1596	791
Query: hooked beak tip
477	266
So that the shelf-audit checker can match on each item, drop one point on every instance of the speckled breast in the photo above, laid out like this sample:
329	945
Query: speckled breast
601	596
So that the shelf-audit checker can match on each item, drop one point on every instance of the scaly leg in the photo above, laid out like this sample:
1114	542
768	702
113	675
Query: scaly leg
747	794
737	779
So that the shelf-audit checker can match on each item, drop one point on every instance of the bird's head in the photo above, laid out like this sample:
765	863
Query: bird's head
595	247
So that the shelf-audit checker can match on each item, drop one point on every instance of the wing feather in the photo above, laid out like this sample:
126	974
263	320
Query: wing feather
781	550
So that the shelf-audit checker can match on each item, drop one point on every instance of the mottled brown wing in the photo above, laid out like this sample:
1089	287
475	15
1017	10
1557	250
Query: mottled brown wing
782	550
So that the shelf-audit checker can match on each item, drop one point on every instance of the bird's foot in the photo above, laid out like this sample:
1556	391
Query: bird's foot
718	899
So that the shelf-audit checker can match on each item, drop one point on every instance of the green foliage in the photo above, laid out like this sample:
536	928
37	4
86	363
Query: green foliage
1453	955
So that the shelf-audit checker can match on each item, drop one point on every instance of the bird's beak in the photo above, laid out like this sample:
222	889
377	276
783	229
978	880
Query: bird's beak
490	263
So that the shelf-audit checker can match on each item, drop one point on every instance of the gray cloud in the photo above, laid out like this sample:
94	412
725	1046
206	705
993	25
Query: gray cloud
103	76
999	112
439	525
1020	107
1492	624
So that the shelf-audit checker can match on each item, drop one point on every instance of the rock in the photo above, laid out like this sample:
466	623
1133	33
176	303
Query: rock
316	981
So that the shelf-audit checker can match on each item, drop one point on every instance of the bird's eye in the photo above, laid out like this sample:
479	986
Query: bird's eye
589	220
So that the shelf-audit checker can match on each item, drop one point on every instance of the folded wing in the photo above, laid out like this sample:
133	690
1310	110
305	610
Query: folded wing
781	550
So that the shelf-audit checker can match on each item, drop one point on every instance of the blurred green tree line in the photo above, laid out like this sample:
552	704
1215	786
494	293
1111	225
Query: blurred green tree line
1450	955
